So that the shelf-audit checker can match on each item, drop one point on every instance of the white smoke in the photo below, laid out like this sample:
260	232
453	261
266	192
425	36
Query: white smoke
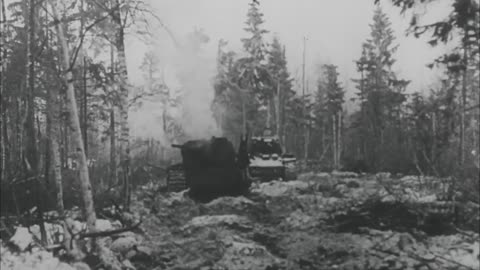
195	71
187	69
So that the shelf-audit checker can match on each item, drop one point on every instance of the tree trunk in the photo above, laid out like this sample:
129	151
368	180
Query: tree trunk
56	165
75	126
84	108
18	156
31	145
31	150
307	139
113	143
278	120
84	102
113	153
3	142
124	89
3	65
434	139
269	114
464	101
48	141
66	133
339	140
244	115
334	141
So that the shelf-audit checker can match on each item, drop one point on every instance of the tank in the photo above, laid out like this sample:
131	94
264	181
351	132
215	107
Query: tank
268	162
210	169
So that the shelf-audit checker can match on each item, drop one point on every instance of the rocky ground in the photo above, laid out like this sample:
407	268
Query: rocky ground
320	221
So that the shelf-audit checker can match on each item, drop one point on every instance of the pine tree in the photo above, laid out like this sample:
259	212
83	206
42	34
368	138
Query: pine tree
328	113
463	20
252	70
381	92
254	45
281	85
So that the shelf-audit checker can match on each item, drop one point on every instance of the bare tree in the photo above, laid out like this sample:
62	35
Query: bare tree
75	124
124	89
3	65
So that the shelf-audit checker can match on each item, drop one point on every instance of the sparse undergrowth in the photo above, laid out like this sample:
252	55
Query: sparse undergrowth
321	221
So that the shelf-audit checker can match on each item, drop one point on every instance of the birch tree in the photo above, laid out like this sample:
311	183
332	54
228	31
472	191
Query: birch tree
3	65
74	122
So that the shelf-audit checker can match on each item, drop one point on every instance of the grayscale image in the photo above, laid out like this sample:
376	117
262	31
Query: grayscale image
240	134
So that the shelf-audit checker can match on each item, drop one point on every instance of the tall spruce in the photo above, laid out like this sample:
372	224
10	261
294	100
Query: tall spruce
463	21
381	92
252	69
334	104
281	86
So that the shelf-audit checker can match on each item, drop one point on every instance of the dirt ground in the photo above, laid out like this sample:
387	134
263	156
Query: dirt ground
320	221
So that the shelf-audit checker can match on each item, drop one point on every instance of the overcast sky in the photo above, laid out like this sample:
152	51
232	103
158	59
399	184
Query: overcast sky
335	30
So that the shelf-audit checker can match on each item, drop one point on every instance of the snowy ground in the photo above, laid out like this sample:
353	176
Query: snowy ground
320	221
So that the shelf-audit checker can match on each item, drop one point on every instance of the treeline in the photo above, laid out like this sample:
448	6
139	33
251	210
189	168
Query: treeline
65	98
431	131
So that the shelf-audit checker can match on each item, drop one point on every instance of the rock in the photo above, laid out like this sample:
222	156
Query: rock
35	260
103	225
22	238
117	224
130	254
108	257
128	265
327	184
410	180
383	175
242	254
75	226
74	213
54	232
235	202
277	188
81	266
271	189
142	253
123	244
308	177
145	250
299	220
344	174
341	189
353	183
220	220
232	205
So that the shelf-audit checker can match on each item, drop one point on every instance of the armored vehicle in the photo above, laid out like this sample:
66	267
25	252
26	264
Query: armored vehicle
267	160
210	169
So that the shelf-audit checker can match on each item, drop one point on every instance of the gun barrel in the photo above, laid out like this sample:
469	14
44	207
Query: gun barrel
177	145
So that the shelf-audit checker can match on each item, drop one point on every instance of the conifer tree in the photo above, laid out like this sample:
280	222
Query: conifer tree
252	69
381	92
281	86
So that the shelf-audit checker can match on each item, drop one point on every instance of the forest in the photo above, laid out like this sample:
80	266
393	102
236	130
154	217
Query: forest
68	141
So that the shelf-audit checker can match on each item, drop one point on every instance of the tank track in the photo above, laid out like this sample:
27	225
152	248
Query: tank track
176	178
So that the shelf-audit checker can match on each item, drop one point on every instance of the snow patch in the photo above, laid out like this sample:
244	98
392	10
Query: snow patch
22	238
259	162
203	221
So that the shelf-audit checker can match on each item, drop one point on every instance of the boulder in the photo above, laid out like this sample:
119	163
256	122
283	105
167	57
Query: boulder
243	254
234	221
22	238
123	244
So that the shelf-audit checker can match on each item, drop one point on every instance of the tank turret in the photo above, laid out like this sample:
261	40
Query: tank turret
209	169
